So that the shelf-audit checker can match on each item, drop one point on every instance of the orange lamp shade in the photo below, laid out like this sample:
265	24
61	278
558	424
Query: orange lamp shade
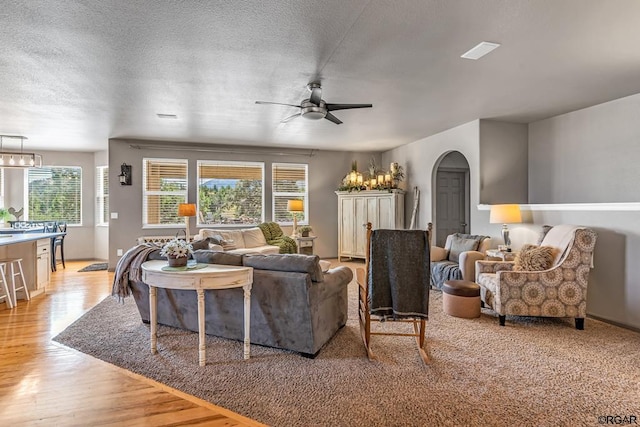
187	209
295	206
505	214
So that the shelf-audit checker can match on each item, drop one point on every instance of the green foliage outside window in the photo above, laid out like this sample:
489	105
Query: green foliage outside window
55	194
226	204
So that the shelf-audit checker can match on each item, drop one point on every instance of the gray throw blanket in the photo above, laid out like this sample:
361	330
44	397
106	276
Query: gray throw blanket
128	268
399	273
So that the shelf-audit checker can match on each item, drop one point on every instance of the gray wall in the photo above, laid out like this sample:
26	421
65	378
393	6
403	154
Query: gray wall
79	243
503	162
326	170
589	155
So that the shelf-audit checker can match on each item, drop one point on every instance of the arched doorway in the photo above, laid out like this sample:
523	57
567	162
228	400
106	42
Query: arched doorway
451	210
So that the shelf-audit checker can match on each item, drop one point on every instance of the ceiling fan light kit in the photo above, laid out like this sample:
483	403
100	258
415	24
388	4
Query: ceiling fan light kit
315	108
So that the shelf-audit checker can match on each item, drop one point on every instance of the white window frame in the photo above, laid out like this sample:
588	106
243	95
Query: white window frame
26	195
261	165
102	213
292	195
184	193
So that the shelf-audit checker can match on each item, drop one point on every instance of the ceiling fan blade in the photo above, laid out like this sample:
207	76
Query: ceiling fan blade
316	95
333	118
334	107
277	103
288	119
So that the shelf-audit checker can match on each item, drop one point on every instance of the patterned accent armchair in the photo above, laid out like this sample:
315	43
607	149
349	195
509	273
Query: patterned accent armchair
560	291
456	261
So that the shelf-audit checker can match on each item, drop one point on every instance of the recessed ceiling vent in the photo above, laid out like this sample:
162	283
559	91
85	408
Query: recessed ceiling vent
166	116
480	50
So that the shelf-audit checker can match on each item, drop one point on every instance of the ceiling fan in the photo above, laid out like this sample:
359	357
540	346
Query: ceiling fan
315	108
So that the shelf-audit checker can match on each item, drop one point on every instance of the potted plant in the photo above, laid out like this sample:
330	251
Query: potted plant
304	230
5	215
177	252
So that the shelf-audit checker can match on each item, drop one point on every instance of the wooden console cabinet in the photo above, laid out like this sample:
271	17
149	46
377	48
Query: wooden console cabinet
384	209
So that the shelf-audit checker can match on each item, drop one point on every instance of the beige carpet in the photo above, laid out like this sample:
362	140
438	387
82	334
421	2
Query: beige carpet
540	372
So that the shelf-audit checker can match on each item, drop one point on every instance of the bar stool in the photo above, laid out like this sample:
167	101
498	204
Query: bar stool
5	287
13	262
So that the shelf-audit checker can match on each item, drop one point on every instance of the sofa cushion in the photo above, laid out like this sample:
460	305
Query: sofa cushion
459	245
216	257
298	263
534	258
253	237
264	250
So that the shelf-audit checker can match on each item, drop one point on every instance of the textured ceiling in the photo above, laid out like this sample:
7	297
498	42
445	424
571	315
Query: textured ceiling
75	73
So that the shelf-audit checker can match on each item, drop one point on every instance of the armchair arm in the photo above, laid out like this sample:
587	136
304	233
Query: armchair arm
438	253
492	267
467	263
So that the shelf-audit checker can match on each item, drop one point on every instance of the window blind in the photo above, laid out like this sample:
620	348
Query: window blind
164	188
102	195
230	192
55	193
289	181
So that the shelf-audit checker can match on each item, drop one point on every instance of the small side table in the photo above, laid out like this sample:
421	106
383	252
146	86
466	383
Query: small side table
213	276
305	244
503	255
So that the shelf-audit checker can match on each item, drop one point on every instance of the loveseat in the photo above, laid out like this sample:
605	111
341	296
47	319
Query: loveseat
294	304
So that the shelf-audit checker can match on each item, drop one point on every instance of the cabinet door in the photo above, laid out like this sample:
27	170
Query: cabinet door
360	225
43	265
347	221
385	213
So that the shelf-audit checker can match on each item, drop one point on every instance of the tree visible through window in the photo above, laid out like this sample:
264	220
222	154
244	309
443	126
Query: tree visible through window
230	192
165	187
289	182
55	193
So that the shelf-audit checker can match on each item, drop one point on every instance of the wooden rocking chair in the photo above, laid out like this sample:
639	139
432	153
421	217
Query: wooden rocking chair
364	309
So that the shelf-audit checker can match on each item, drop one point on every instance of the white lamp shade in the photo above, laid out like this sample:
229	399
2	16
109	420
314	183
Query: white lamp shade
505	214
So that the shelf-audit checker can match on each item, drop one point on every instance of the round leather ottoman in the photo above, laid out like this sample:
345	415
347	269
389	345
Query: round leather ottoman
461	298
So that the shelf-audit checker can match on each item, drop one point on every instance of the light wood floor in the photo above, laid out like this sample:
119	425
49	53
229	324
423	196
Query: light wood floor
45	383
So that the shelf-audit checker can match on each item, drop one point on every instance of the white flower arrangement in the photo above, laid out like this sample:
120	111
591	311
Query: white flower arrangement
177	248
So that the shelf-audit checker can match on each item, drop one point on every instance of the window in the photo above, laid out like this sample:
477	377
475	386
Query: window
230	192
55	193
289	182
164	187
102	198
1	187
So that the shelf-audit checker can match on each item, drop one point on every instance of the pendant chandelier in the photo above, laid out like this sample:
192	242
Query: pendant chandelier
18	159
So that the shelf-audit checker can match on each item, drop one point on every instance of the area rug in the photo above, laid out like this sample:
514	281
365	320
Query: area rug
530	372
95	267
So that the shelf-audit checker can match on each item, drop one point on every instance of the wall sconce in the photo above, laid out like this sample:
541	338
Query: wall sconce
125	174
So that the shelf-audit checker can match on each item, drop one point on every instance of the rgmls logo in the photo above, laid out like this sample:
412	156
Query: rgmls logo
618	419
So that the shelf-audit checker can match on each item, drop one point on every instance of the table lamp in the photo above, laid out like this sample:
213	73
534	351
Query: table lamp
186	210
505	214
295	206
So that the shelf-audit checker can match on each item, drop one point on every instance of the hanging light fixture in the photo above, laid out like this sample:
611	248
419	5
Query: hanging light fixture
12	159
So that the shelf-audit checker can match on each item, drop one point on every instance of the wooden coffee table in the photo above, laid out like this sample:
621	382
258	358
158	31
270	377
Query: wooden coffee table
213	276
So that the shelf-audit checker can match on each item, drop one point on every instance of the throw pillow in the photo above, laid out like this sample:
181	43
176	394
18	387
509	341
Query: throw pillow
534	258
459	245
253	237
200	244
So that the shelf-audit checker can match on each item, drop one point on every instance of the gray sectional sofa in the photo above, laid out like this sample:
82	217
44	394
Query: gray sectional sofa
294	304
